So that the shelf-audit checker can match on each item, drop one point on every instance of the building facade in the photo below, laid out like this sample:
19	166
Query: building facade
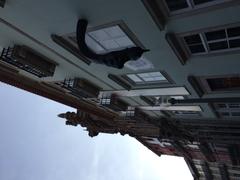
194	49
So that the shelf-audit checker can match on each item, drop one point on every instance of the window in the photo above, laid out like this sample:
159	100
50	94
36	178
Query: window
183	113
194	43
180	6
227	110
2	3
106	39
176	5
114	102
101	39
105	101
142	80
130	112
219	40
164	10
145	78
217	84
80	87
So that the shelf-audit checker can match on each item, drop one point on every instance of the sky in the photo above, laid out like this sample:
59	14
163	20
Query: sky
37	145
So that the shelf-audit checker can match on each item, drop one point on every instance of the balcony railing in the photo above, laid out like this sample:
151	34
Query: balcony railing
80	88
28	60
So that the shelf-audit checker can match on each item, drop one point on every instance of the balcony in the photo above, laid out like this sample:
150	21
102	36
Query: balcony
28	60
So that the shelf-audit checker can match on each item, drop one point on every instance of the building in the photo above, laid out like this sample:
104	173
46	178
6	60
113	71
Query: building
194	50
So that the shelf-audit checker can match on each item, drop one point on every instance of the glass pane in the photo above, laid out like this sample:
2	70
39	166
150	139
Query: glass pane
197	49
134	78
193	39
175	5
185	112
215	35
218	45
234	105
99	35
124	42
234	43
224	83
94	45
144	75
233	32
221	105
110	39
148	79
225	114
114	32
153	76
235	113
198	2
110	44
159	78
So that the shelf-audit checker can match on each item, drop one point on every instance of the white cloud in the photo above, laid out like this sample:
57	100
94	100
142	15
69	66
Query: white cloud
35	144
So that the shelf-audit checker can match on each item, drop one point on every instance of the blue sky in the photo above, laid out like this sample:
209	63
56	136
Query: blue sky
36	145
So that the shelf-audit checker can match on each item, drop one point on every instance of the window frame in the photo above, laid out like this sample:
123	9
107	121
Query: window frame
192	7
144	83
205	88
122	81
66	41
208	89
201	32
120	24
159	11
218	111
174	115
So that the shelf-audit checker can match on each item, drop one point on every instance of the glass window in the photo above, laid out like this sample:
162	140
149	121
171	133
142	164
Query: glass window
233	32
106	39
198	2
213	41
222	106
234	43
183	5
193	39
225	114
105	101
109	39
230	110
218	45
231	83
174	5
234	106
185	112
153	76
197	49
195	43
214	35
134	78
147	77
235	113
